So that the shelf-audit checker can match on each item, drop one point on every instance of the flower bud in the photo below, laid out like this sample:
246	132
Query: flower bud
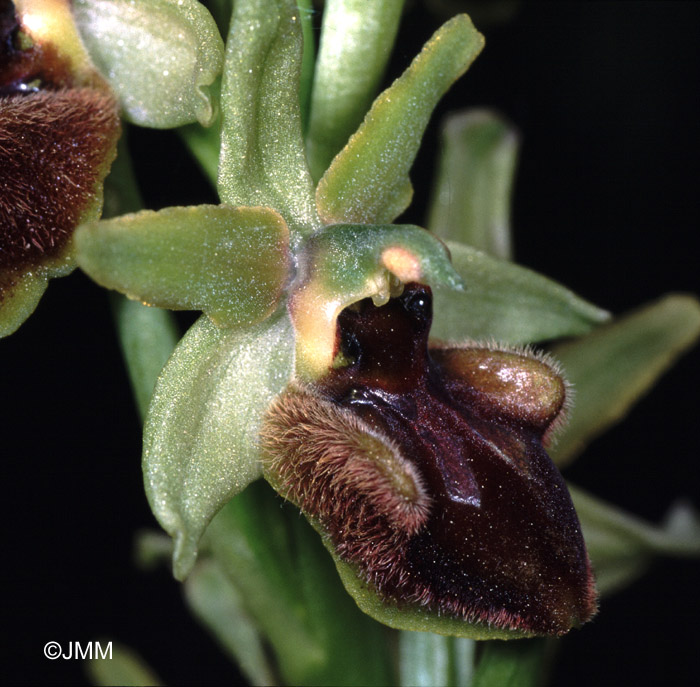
425	471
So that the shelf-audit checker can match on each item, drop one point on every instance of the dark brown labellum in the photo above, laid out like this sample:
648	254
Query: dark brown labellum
427	472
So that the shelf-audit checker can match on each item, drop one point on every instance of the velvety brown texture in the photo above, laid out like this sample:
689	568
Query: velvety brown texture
55	150
481	525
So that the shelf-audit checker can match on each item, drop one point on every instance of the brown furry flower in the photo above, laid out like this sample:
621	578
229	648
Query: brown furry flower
426	471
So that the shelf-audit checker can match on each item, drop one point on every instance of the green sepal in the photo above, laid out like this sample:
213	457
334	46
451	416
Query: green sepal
621	545
614	366
368	181
471	197
289	585
356	40
231	263
201	432
504	302
262	158
345	263
160	57
221	609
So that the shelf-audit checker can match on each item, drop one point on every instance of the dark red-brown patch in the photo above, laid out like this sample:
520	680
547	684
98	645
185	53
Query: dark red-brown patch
500	542
55	150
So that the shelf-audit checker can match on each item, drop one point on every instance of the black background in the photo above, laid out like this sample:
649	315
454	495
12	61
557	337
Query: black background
605	96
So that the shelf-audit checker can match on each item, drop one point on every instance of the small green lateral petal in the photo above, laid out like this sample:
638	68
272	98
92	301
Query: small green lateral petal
367	181
200	436
471	198
232	263
507	303
356	40
621	545
612	368
345	263
160	57
262	152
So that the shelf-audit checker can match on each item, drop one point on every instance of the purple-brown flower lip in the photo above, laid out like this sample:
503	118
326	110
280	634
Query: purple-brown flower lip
431	479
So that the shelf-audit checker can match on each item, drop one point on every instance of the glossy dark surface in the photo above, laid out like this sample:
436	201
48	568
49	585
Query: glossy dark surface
502	543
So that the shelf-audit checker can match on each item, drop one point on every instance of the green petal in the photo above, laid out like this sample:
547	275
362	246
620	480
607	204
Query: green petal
427	659
289	585
507	303
368	180
614	366
262	153
159	56
221	608
232	263
471	198
621	545
356	40
200	437
124	667
345	263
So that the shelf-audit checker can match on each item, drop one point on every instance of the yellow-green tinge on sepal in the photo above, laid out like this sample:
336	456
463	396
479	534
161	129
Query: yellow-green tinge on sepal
262	150
232	263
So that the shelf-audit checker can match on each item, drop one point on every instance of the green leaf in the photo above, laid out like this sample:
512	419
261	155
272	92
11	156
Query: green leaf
471	197
367	181
505	302
615	365
200	437
147	337
288	584
125	668
356	40
513	664
220	607
430	660
159	56
345	263
262	153
232	263
621	546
